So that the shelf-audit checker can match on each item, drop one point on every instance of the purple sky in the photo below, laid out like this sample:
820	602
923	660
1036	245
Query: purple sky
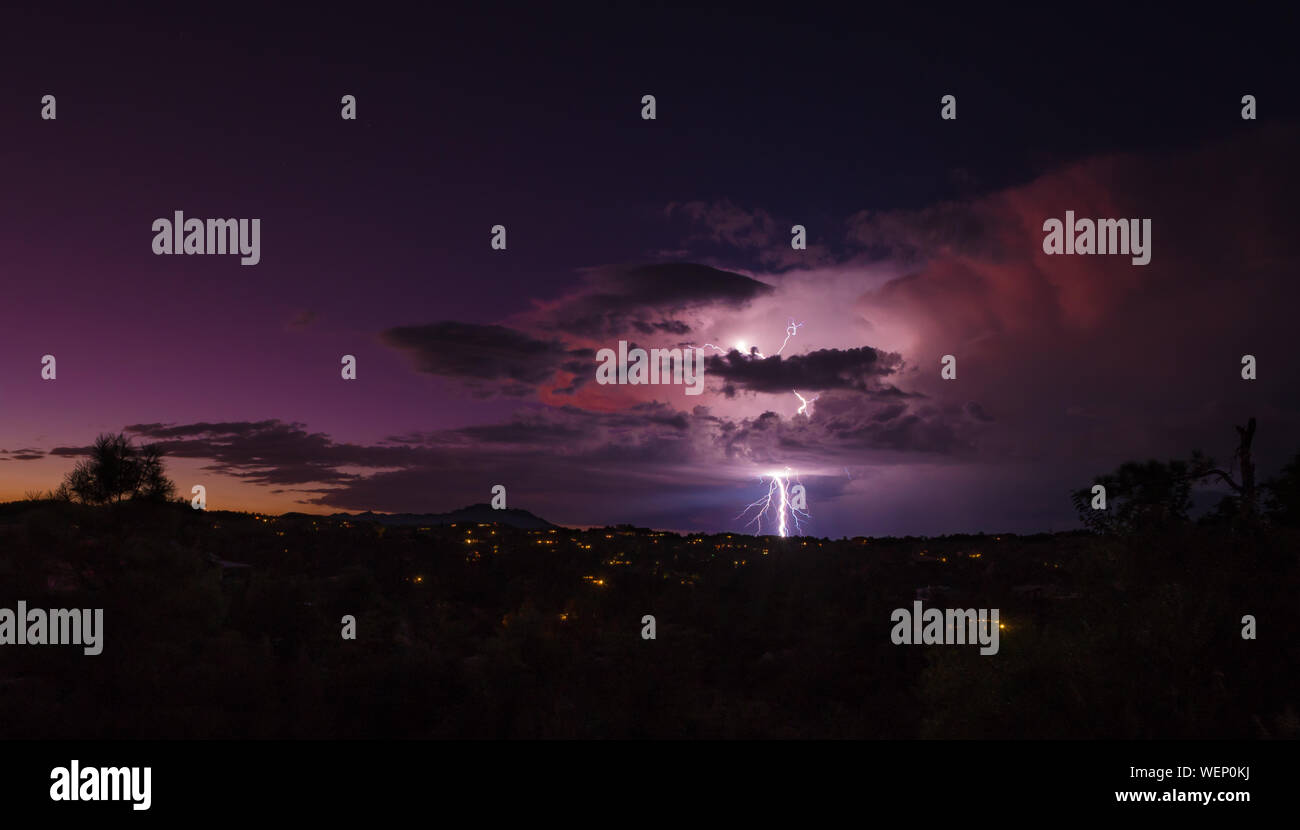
476	367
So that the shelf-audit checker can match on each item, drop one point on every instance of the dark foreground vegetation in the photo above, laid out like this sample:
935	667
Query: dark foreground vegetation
490	631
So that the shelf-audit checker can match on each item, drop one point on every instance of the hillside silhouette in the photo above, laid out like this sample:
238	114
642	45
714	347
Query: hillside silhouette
475	513
223	624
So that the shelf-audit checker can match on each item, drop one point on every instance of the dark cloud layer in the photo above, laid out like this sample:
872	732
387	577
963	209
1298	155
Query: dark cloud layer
644	299
620	301
489	357
267	452
21	455
860	369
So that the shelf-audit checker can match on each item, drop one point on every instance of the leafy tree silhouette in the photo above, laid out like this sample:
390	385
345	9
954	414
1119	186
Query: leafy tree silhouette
1140	496
117	469
1153	495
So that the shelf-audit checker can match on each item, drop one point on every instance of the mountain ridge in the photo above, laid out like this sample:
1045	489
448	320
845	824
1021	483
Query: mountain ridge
474	514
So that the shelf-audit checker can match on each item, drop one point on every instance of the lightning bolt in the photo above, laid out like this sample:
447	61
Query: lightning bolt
791	329
803	410
775	505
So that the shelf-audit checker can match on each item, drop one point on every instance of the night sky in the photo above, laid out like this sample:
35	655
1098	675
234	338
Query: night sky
476	366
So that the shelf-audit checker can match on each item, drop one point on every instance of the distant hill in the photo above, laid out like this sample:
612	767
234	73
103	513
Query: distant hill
474	514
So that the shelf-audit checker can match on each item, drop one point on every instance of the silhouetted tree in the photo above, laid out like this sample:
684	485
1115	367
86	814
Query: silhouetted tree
1139	496
116	469
1153	495
1245	496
